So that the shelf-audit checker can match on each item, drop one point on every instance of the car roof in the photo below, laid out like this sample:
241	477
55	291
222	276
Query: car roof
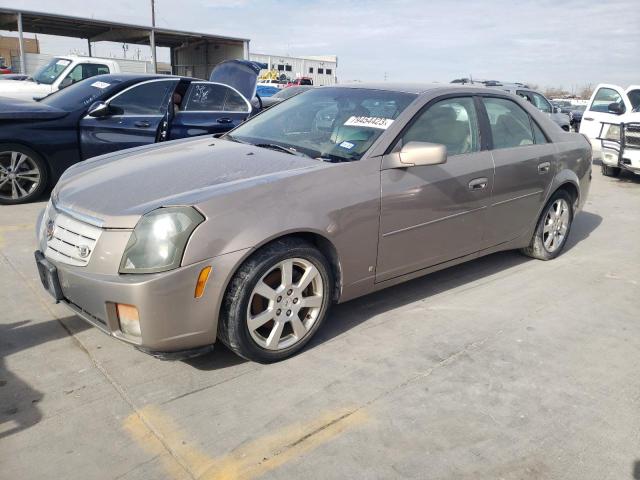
420	88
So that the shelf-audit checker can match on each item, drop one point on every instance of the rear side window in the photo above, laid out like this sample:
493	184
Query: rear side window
509	122
87	70
452	122
147	99
605	97
211	97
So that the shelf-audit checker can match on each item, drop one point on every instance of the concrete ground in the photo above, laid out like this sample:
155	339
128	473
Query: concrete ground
503	368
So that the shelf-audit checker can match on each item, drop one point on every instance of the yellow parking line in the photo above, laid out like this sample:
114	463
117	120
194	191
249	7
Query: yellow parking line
249	460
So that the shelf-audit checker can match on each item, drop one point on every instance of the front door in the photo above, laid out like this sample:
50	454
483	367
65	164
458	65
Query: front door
599	111
524	167
134	119
431	214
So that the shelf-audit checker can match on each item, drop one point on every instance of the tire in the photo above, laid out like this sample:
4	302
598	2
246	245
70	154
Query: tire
277	325
543	245
23	174
608	171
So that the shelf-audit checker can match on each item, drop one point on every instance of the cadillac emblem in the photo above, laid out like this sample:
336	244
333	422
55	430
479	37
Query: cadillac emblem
83	251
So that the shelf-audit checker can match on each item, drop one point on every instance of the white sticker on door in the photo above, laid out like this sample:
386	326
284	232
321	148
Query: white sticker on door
371	122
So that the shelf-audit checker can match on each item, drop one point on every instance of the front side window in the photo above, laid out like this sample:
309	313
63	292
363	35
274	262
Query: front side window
510	124
452	122
634	98
150	98
214	98
605	97
332	124
541	103
87	70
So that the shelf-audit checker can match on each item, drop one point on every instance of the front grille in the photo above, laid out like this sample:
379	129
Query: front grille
71	241
632	135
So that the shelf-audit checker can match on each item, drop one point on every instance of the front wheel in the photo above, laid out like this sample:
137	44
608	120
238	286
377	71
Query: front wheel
608	171
23	175
276	301
553	228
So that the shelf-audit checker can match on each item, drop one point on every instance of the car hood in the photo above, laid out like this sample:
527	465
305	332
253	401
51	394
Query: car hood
16	109
115	190
239	74
23	88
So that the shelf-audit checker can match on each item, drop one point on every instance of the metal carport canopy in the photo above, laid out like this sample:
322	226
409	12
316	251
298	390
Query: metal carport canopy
102	30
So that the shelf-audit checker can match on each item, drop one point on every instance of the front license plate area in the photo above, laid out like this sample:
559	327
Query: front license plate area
49	276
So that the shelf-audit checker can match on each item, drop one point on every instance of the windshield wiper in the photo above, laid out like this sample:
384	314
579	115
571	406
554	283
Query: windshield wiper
280	148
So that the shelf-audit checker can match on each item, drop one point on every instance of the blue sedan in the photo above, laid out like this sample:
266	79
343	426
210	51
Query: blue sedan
106	113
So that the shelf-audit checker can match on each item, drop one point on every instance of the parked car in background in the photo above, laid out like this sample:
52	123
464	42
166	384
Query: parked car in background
284	94
300	81
59	73
575	116
265	91
39	140
328	196
609	104
540	102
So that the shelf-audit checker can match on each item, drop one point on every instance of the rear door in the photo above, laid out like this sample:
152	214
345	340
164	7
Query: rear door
135	117
599	111
208	108
434	213
524	167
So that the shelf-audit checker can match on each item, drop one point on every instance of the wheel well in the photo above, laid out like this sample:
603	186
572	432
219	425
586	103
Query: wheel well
572	190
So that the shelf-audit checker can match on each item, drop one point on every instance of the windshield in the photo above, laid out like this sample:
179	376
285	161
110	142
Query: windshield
48	73
81	94
333	124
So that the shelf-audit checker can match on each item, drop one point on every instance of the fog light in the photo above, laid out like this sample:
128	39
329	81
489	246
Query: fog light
202	281
129	319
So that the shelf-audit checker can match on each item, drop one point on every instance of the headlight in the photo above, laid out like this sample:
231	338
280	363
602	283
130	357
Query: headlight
613	133
159	239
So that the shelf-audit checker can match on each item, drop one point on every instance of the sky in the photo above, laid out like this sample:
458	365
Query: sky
568	43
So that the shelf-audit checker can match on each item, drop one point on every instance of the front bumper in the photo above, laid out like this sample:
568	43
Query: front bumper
173	324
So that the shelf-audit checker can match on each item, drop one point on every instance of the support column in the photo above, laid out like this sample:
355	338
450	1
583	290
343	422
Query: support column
89	47
246	50
152	41
23	64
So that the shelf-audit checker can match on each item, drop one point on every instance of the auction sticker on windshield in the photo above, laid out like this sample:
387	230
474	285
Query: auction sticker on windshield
101	85
371	122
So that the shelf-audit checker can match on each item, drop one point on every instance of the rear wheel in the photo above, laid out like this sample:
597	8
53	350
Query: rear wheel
553	228
276	301
608	171
23	175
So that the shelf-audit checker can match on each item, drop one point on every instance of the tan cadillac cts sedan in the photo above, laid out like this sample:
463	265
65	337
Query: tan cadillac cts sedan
333	194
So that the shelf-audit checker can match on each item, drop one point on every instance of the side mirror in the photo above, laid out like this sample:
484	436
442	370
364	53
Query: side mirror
616	108
98	109
66	82
414	154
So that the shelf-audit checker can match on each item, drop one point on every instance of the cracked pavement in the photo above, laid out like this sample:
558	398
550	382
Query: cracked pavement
501	368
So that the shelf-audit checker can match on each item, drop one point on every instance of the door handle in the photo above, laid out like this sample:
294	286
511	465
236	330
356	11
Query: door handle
588	119
478	183
142	124
225	120
544	167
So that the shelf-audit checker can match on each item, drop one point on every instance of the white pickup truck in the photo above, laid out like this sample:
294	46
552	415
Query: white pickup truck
611	122
59	73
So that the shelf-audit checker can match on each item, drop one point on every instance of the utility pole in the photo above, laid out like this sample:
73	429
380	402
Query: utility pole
152	37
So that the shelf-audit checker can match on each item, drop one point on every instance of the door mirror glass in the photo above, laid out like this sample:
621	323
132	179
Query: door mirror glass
66	82
422	153
616	108
98	109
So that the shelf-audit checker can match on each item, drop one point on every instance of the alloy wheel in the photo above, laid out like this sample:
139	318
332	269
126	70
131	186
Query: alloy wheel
285	304
556	225
19	175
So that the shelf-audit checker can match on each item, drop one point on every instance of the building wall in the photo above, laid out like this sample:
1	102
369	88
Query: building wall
295	67
9	47
198	60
